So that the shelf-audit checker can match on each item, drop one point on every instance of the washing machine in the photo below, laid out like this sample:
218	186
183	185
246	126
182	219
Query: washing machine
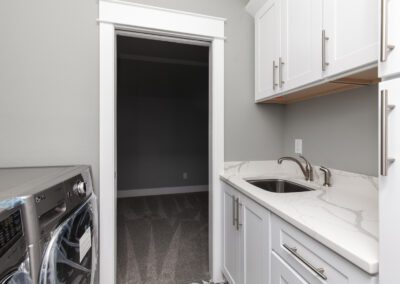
12	243
59	212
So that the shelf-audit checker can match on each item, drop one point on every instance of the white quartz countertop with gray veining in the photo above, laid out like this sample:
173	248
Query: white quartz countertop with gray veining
343	217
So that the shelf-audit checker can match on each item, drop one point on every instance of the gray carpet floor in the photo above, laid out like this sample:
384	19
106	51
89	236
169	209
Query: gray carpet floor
163	239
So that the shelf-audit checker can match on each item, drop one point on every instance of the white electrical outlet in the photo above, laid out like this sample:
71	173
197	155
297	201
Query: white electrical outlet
185	176
298	146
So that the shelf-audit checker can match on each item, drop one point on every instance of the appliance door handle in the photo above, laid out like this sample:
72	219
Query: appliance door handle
385	47
385	108
324	39
318	270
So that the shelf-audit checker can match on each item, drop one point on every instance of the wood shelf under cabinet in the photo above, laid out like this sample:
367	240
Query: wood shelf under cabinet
350	82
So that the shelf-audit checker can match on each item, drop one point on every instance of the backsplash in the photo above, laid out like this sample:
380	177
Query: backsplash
262	169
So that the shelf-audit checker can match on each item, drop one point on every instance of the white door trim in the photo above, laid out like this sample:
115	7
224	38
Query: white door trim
114	15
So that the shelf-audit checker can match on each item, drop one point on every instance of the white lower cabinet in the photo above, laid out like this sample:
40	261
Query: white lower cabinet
246	243
281	272
312	260
261	248
255	242
231	236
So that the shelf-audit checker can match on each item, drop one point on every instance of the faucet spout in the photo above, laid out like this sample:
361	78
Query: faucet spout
307	171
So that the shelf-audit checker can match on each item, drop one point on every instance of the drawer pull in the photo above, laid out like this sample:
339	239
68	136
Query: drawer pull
319	271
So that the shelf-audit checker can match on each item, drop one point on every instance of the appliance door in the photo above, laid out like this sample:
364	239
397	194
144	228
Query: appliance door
17	277
71	254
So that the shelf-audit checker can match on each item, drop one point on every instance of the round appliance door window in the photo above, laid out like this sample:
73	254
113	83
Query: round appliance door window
71	254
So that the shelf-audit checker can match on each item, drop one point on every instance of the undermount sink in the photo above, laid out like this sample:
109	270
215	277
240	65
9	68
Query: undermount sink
278	185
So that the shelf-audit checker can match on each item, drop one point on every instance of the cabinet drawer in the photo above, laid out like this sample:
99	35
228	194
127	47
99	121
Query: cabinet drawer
281	272
312	260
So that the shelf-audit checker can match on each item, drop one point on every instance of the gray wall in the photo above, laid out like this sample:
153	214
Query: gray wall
49	83
49	89
338	131
162	129
252	132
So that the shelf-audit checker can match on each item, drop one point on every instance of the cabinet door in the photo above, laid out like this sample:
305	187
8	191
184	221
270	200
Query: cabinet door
390	17
301	43
267	49
352	29
282	273
389	193
231	235
255	242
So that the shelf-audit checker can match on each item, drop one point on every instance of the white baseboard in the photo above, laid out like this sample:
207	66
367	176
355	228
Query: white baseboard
161	191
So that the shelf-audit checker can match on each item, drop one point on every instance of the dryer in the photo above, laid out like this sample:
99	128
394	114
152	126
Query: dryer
60	217
12	242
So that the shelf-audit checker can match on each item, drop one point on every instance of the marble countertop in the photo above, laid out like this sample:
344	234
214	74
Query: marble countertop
343	217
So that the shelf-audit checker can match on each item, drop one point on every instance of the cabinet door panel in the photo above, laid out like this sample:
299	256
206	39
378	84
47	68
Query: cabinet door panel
301	42
230	242
389	193
282	273
392	17
267	46
256	243
353	34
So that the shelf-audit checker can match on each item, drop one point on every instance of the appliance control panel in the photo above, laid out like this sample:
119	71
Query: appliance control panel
10	230
77	190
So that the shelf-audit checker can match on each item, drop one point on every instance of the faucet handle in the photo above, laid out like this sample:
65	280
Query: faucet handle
327	176
309	168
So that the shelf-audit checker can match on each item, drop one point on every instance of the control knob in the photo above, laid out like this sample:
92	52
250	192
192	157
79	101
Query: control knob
80	188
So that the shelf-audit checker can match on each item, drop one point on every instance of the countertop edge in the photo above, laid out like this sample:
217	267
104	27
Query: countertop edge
371	268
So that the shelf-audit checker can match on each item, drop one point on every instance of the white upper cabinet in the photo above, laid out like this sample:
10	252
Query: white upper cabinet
351	29
267	49
301	43
389	63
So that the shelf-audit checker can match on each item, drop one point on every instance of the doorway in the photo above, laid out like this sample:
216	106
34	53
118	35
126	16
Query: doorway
118	15
162	159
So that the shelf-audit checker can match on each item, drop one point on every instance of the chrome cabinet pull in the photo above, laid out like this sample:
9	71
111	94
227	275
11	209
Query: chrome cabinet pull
238	224
385	47
385	108
324	39
318	270
274	84
234	211
281	63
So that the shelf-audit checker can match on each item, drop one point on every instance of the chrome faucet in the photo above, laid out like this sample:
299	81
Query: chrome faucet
327	176
307	171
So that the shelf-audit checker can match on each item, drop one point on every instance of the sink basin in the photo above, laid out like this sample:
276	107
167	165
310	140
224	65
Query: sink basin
278	185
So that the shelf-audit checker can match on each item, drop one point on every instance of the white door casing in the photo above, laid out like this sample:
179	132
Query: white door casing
113	16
